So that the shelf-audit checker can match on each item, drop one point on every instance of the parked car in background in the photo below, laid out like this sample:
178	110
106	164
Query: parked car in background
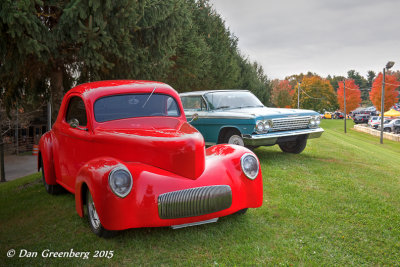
361	118
338	115
238	117
374	121
389	125
328	115
127	153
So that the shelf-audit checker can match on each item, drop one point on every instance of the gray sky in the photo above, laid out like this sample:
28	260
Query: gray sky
324	36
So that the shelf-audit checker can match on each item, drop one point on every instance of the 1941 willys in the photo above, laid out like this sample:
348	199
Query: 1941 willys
125	150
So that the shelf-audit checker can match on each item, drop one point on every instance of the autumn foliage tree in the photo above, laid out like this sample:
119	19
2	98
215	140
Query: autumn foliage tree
391	95
317	94
353	95
282	94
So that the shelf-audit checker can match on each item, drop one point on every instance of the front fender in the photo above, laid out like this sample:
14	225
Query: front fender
140	207
46	154
94	176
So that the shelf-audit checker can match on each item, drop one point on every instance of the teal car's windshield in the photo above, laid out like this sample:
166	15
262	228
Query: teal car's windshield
232	99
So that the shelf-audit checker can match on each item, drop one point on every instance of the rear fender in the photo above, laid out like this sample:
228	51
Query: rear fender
46	155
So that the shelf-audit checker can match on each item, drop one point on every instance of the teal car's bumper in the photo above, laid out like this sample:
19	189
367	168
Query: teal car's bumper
272	138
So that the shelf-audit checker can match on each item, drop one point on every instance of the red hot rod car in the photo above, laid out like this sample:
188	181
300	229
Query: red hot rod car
125	150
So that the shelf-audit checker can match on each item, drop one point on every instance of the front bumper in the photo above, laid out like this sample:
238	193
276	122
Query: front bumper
269	139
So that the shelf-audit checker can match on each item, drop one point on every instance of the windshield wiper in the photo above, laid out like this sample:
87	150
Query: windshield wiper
221	107
149	97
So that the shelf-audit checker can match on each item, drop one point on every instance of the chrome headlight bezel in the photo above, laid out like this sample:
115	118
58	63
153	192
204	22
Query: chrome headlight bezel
260	127
263	126
246	171
314	121
111	183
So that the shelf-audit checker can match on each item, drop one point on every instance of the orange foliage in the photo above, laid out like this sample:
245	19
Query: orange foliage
353	95
282	94
391	84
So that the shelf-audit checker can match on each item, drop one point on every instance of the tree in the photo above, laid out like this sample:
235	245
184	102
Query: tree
55	43
353	95
362	83
335	81
391	96
282	94
317	94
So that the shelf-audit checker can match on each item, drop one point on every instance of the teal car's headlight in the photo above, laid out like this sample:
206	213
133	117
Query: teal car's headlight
263	126
260	127
314	121
120	181
249	165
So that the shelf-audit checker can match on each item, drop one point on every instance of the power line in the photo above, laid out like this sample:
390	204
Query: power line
311	96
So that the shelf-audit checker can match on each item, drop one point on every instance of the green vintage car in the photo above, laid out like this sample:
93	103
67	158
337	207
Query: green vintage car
238	117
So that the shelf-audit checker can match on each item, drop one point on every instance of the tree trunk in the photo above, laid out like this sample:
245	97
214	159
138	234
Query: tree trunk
57	91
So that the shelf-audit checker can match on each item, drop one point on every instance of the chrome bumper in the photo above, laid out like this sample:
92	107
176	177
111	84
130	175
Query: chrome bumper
271	138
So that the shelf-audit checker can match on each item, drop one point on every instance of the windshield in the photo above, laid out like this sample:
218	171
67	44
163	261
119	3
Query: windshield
232	99
134	105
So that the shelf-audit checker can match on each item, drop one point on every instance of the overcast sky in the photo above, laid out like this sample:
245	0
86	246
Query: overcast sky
324	36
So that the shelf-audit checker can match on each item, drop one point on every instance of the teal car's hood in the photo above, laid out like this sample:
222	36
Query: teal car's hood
264	112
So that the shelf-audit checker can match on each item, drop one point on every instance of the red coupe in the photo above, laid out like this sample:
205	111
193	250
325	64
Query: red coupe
125	150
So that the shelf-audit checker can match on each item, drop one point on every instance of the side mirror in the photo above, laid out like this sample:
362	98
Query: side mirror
195	117
74	123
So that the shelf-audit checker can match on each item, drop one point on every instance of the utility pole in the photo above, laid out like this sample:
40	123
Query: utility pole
298	95
344	99
49	115
388	66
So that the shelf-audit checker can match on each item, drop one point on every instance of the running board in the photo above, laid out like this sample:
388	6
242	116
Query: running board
193	224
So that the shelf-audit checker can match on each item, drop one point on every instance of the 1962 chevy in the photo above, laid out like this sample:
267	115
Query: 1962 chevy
238	117
125	150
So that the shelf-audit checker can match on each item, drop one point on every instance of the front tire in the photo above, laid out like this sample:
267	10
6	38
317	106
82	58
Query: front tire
233	138
94	220
294	147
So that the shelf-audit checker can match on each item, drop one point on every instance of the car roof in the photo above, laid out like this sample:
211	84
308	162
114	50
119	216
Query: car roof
94	90
212	91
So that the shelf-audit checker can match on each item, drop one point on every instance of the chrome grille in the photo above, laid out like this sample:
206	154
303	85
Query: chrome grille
291	123
194	201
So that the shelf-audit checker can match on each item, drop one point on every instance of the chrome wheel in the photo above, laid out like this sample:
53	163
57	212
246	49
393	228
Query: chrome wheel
236	140
93	216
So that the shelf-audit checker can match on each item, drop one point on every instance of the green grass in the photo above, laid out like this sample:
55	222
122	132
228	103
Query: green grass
337	203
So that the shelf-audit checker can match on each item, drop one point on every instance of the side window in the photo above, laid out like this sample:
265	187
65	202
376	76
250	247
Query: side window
195	103
76	110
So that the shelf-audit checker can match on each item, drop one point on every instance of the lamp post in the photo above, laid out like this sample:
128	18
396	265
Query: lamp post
388	66
344	104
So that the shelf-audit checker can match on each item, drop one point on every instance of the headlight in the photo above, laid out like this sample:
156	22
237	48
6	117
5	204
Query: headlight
250	165
318	120
120	181
260	127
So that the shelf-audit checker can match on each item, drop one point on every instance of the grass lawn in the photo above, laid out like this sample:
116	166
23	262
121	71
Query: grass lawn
337	203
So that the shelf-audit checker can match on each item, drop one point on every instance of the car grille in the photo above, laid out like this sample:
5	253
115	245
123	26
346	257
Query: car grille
194	201
291	123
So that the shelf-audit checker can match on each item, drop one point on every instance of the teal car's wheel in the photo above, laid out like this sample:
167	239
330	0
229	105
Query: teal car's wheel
233	138
294	147
94	220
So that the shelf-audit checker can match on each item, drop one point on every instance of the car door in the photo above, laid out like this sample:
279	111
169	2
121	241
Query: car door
196	105
72	141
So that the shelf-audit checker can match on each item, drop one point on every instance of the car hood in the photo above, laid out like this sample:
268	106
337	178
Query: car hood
268	113
174	146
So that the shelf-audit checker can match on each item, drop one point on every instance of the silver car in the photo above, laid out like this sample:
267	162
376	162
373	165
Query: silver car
390	125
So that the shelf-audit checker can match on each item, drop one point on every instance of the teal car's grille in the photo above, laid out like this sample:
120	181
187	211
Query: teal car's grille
194	201
291	123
